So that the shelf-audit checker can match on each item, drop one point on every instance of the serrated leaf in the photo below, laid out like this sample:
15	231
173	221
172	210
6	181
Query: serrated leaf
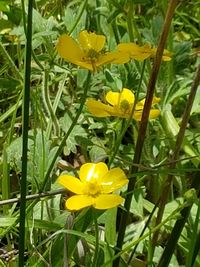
71	142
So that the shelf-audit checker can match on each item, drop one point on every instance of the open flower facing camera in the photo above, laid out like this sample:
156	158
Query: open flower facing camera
121	105
95	187
88	53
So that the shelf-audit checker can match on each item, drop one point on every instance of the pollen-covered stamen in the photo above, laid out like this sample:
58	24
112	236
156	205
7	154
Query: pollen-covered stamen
92	188
125	106
91	56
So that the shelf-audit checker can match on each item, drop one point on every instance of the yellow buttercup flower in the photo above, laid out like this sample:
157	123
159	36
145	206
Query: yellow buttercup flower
167	55
120	105
95	187
141	53
135	51
88	54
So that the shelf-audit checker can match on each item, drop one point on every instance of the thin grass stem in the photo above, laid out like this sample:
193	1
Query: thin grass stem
144	122
96	252
25	128
48	105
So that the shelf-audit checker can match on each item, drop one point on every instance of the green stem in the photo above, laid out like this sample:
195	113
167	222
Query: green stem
33	196
24	16
170	65
129	21
25	124
143	125
193	240
127	248
55	104
14	111
10	61
125	124
78	17
5	180
63	142
25	31
95	261
48	104
142	232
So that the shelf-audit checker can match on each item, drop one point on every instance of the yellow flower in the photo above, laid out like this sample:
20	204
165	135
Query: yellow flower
135	51
167	55
95	187
88	54
121	105
141	53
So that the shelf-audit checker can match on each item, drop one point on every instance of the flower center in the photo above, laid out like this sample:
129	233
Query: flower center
91	56
92	188
125	106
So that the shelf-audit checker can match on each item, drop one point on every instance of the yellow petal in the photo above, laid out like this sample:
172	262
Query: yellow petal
135	51
79	202
144	52
113	180
167	55
107	201
72	183
99	109
91	41
122	102
113	57
166	58
112	98
128	48
84	65
140	104
155	100
138	115
127	95
89	171
68	49
154	113
120	57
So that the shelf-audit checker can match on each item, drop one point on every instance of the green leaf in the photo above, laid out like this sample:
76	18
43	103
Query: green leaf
97	154
77	131
4	6
8	84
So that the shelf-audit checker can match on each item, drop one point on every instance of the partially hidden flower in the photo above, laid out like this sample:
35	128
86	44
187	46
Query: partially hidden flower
88	52
121	105
95	187
141	53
